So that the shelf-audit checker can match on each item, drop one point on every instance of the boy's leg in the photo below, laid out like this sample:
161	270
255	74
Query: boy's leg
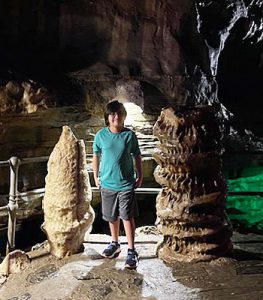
132	255
113	250
114	230
128	210
129	227
110	214
110	211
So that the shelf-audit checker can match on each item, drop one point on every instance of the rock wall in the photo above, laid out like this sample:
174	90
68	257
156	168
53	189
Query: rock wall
103	41
82	53
68	214
61	61
191	205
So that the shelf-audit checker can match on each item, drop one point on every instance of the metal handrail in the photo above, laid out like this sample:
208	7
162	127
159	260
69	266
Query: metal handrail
24	161
14	195
4	163
4	208
12	206
141	190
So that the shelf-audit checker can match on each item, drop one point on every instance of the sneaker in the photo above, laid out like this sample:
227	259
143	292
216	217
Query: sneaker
132	259
112	251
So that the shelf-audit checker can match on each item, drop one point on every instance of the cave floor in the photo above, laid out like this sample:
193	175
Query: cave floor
88	276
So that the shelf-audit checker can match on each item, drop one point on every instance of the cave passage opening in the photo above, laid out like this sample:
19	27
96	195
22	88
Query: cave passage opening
240	80
240	90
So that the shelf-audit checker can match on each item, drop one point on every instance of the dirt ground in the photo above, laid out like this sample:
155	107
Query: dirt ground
88	276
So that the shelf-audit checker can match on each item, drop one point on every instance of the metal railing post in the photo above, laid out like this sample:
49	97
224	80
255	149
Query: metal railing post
12	203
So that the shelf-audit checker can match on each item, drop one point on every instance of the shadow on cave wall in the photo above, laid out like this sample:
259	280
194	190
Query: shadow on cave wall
32	47
153	99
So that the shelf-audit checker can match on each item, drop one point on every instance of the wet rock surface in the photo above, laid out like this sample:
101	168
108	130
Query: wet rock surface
80	277
45	272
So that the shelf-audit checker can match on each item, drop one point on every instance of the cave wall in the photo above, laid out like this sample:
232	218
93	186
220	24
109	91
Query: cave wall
233	33
80	49
145	40
61	61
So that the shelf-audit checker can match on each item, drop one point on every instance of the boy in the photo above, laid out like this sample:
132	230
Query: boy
113	150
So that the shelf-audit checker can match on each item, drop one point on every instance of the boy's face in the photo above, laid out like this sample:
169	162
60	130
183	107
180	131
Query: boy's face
116	119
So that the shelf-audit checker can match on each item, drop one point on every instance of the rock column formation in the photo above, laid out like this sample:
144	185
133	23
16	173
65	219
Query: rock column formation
68	214
191	205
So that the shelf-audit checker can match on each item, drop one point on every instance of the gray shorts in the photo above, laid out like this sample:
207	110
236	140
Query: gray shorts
118	204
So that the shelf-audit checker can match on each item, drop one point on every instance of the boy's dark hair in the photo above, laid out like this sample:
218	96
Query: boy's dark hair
113	107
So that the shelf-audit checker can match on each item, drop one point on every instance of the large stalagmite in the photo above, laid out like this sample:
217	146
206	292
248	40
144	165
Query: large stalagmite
191	205
68	214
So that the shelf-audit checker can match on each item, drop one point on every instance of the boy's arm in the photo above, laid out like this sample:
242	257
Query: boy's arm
138	164
95	167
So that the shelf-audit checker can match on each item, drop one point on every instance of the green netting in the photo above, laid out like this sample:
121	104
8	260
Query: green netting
247	183
247	210
252	171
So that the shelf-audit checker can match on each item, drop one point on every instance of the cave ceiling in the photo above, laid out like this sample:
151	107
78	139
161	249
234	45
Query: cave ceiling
180	52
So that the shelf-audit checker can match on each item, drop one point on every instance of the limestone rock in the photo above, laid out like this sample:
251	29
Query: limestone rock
191	205
68	214
14	89
14	262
